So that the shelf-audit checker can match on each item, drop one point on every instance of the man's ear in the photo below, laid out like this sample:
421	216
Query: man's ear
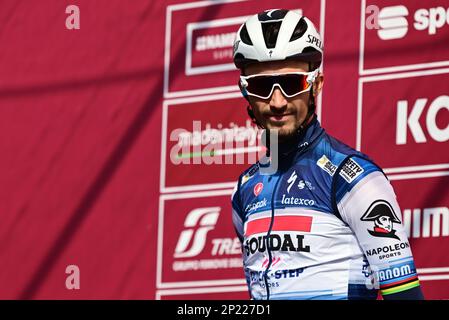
318	84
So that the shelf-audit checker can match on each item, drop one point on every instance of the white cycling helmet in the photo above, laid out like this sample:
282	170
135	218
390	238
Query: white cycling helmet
275	35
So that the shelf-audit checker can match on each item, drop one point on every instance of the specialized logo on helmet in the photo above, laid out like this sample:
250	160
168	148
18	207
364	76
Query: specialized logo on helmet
383	216
203	218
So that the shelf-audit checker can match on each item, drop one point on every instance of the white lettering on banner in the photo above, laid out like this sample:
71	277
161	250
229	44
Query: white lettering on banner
226	246
207	264
431	19
393	24
215	41
372	21
73	20
436	215
73	280
216	145
210	135
205	218
411	121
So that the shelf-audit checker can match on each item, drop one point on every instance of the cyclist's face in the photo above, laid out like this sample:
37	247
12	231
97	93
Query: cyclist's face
279	112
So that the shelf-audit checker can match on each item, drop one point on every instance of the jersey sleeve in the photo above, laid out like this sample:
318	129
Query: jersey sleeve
237	218
370	208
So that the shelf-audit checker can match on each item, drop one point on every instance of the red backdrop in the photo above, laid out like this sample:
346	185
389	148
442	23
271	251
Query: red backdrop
89	117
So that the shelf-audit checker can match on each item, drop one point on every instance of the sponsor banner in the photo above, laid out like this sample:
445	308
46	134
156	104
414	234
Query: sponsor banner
425	218
199	42
435	290
197	242
220	293
208	141
408	116
403	35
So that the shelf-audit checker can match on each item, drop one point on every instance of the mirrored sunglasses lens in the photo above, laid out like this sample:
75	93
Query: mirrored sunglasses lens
293	83
260	86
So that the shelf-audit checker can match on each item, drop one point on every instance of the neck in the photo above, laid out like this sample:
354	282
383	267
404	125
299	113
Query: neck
289	146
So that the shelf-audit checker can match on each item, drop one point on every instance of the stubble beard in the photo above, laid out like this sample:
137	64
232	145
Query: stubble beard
286	135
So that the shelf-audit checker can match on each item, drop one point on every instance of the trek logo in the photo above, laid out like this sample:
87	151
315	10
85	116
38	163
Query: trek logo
197	223
406	120
383	216
393	24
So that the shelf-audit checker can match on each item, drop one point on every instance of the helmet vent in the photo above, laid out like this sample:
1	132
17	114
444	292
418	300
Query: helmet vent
270	33
300	29
272	15
244	36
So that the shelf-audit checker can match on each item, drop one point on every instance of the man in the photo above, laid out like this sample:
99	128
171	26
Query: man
327	224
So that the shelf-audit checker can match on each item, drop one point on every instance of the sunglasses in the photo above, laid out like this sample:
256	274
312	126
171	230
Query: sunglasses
291	84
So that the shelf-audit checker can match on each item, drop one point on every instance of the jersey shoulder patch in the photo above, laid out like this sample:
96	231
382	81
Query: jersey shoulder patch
249	173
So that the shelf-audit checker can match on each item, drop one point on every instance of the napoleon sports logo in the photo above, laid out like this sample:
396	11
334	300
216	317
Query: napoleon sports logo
197	223
381	213
392	23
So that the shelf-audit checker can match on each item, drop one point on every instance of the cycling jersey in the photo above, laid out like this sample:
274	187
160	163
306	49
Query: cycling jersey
326	225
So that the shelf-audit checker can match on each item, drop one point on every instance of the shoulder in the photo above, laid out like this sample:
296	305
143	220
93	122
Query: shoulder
248	174
346	157
346	165
355	168
243	182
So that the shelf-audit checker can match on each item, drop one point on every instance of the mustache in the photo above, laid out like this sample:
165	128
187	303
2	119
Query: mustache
280	113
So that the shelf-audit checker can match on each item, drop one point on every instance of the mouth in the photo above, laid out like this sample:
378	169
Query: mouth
278	117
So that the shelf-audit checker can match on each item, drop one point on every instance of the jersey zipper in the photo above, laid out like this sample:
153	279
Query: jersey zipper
267	244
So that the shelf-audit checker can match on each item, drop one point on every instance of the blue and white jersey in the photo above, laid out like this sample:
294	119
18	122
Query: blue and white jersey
327	225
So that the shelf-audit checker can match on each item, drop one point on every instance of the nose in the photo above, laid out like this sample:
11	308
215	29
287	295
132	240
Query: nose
277	100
